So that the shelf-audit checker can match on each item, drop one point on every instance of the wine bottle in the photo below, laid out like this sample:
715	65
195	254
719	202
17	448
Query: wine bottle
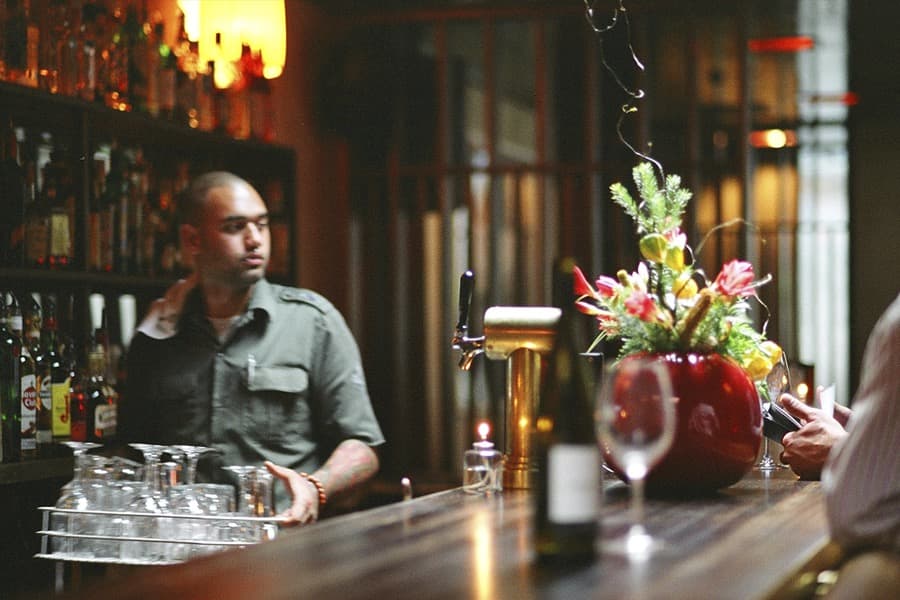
37	215
101	399
28	393
54	373
165	74
9	387
59	196
33	317
21	44
568	484
12	200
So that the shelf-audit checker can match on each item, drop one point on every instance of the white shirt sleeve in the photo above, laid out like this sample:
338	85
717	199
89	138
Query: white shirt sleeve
861	478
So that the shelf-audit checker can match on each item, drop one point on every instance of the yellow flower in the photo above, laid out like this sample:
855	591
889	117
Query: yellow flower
757	366
685	287
675	258
771	350
654	247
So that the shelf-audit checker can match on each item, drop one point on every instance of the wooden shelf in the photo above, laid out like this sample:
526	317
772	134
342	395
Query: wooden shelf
35	470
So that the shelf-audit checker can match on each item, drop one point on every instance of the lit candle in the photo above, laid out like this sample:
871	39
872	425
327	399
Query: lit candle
484	428
482	464
802	391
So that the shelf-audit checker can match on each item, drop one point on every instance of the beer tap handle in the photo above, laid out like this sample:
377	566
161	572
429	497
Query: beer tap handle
469	347
466	286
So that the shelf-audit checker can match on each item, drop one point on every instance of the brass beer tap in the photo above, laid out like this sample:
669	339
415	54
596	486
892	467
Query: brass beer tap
519	335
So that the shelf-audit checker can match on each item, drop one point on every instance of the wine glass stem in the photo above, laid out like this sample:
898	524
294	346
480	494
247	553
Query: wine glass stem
191	475
637	500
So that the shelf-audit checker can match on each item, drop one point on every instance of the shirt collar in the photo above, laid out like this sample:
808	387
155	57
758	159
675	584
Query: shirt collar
262	303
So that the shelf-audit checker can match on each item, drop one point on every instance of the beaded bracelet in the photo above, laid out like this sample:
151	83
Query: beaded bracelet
319	487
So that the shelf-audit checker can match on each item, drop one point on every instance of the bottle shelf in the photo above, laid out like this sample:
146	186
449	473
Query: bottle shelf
38	469
76	277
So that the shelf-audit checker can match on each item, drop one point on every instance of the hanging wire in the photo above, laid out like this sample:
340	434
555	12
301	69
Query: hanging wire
602	25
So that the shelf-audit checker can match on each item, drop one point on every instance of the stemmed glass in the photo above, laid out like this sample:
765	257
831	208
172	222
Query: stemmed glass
150	500
635	420
73	497
776	382
191	456
188	499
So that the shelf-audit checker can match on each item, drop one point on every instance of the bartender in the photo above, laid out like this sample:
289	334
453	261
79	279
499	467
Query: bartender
263	373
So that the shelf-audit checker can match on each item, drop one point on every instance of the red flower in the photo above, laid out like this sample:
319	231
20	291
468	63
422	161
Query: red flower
641	305
582	287
735	279
607	287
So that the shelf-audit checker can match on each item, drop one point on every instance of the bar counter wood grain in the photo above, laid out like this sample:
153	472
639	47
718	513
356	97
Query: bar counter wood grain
744	542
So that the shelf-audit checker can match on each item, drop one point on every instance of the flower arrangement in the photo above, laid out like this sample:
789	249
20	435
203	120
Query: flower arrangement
668	304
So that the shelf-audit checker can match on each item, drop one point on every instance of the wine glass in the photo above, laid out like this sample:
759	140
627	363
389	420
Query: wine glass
191	456
74	497
635	420
187	499
150	500
777	381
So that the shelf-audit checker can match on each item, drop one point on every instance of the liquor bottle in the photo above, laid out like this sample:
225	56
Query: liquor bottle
67	347
78	405
239	95
33	317
94	242
52	365
117	183
101	222
71	50
91	37
101	399
52	38
59	196
568	494
10	400
28	393
187	77
206	104
166	74
112	69
138	227
138	47
37	214
21	43
151	67
261	106
12	200
223	74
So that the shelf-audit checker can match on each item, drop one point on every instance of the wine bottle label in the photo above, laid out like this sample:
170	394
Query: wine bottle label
29	409
104	421
36	233
60	242
59	398
573	483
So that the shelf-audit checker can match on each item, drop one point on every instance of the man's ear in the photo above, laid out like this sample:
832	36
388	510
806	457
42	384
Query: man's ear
190	240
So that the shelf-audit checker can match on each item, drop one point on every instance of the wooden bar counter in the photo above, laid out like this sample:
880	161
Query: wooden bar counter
744	542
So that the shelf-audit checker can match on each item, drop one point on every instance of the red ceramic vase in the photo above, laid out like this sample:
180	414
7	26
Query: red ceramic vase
719	426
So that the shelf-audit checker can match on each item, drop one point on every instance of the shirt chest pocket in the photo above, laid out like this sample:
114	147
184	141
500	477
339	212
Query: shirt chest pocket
277	406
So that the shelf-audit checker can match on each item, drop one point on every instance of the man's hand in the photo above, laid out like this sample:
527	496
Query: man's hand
806	449
162	318
304	496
